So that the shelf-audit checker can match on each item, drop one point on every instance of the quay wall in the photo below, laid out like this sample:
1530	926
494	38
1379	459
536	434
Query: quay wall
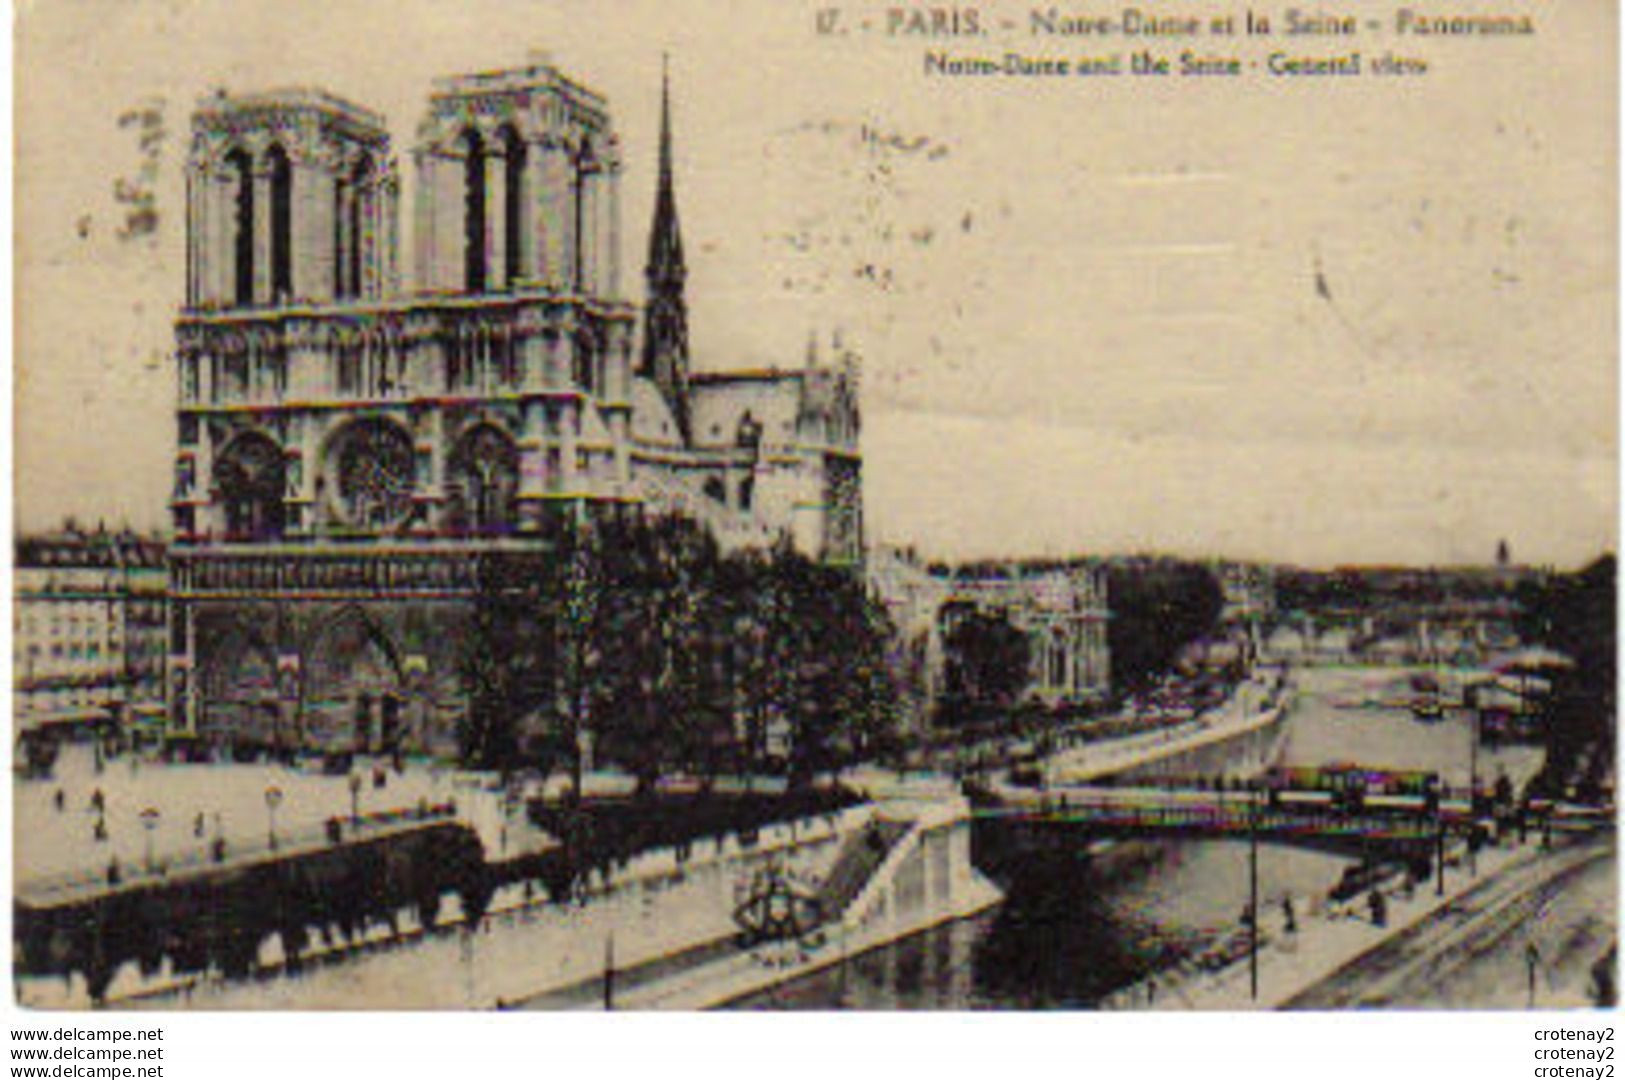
926	879
1243	753
91	933
654	909
1242	740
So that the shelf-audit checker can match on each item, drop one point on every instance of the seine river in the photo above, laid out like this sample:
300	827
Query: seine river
1067	938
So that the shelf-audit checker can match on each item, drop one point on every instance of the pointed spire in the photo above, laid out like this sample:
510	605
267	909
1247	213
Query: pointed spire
666	236
665	320
665	117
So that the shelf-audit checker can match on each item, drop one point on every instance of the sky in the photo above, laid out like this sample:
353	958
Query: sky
1317	321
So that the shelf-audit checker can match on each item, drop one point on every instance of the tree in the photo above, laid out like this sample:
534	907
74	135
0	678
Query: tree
655	634
1575	615
1157	609
868	699
510	656
641	633
987	664
827	638
755	657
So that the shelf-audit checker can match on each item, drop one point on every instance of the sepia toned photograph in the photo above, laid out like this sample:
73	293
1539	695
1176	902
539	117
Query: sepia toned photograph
534	505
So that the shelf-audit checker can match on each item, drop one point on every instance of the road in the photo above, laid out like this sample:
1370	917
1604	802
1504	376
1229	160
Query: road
180	809
1474	953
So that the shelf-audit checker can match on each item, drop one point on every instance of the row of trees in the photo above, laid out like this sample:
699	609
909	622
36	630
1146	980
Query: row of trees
643	638
1576	615
640	637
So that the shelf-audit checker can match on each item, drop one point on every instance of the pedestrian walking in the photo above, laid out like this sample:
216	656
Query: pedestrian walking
1379	909
197	825
60	799
1531	958
1604	993
1290	915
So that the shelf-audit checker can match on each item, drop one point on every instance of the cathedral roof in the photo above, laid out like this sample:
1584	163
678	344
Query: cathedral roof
652	421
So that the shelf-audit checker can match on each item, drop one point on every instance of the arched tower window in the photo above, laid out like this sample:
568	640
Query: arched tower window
1057	659
249	477
514	147
474	268
341	199
360	197
243	247
578	195
281	224
484	474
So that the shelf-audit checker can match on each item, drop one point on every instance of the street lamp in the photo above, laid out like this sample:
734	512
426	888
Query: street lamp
149	821
1438	857
355	800
1252	888
273	799
1472	794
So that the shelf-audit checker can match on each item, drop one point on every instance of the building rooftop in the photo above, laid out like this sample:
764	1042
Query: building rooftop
74	548
538	75
221	104
761	374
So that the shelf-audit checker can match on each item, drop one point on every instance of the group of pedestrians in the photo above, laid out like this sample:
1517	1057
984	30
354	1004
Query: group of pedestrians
98	803
101	834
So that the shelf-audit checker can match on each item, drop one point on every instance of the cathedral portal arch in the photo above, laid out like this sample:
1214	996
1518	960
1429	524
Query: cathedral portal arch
238	680
355	684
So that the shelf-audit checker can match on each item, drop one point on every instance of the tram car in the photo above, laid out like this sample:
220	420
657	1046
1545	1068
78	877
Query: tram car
1352	788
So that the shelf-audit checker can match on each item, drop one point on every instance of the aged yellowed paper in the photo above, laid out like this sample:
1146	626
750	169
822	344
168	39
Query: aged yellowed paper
839	505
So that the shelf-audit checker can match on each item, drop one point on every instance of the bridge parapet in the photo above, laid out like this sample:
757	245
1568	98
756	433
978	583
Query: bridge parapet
1150	811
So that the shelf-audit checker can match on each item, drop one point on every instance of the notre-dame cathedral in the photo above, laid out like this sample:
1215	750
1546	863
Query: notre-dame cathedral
349	448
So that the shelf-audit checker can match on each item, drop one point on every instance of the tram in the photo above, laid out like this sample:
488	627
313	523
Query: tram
1352	787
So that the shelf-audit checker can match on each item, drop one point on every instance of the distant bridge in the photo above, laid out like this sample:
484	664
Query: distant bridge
1308	817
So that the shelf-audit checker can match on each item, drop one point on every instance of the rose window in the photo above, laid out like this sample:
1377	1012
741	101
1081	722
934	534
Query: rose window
373	463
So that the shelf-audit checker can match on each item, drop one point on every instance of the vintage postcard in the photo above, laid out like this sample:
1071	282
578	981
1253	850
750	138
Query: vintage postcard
538	505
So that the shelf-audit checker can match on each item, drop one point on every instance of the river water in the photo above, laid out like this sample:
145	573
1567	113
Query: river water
1067	937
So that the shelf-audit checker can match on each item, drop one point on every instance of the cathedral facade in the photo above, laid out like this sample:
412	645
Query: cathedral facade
350	449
